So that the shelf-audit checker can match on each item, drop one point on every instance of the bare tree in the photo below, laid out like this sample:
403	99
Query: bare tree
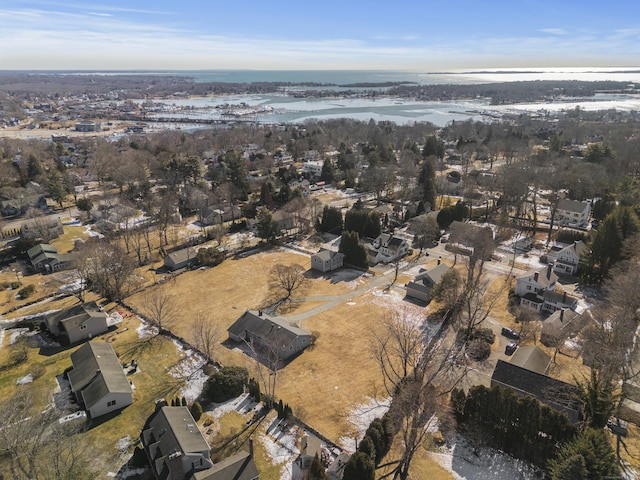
110	270
426	232
397	348
36	446
205	334
161	309
286	279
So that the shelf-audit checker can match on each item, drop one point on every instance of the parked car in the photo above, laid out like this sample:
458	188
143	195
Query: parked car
510	333
510	348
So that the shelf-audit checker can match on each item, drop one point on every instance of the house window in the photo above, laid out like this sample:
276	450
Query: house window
528	287
111	403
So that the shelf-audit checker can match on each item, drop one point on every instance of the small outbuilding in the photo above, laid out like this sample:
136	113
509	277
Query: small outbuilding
181	258
420	288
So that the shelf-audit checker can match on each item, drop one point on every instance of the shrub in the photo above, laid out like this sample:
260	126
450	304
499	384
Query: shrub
26	291
479	349
15	285
196	411
226	384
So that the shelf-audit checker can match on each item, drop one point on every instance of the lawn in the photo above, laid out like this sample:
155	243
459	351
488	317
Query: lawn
155	357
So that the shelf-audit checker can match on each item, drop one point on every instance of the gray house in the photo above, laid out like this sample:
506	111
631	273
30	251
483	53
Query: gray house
46	259
177	450
181	258
97	379
270	335
420	288
78	323
326	260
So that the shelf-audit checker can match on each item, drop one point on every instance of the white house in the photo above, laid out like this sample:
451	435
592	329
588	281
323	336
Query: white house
313	168
389	248
326	260
568	258
537	290
573	213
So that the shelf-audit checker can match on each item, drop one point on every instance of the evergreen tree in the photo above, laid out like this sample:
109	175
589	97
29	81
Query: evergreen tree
359	467
266	196
598	399
316	471
331	220
591	453
266	226
56	186
183	402
34	168
433	147
354	252
367	446
327	171
196	411
426	183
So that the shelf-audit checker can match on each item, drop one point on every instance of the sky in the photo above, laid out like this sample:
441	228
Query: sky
411	35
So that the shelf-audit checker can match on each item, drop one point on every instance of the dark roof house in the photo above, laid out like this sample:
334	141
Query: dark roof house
97	379
270	335
560	396
177	450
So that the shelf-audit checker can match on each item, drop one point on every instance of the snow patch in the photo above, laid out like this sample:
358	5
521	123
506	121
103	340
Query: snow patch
24	380
190	369
361	417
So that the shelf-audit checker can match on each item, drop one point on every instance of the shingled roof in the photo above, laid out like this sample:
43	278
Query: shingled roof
560	396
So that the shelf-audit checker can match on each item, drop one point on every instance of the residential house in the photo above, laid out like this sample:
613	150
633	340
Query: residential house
217	216
97	379
272	336
284	220
177	450
389	248
573	213
538	291
20	204
532	358
78	323
567	259
303	185
312	168
46	259
110	217
560	325
420	287
310	446
326	260
558	395
87	126
181	258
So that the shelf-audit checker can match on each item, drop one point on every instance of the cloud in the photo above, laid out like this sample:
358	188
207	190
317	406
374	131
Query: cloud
555	31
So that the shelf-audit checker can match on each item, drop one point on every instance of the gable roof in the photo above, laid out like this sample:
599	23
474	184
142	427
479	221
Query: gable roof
435	274
326	255
545	277
263	326
560	396
40	249
574	206
74	316
97	371
532	358
184	255
237	467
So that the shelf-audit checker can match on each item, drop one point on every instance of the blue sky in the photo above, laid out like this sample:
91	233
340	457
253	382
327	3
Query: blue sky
327	34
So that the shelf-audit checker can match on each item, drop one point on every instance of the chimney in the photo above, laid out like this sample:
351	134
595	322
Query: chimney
562	314
549	271
564	297
439	260
259	313
535	276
